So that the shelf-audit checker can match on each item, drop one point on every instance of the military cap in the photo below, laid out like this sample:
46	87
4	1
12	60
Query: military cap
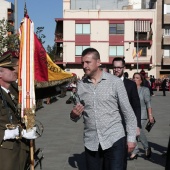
6	61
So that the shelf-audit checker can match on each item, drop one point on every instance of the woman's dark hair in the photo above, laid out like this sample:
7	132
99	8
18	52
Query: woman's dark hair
142	83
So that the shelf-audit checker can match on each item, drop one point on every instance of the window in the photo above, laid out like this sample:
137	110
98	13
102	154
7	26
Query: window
166	53
116	29
116	51
167	32
166	9
82	28
79	49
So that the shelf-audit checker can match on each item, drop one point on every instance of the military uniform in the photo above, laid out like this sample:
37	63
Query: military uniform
13	152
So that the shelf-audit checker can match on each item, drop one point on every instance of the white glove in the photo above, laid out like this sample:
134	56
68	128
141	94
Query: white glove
30	134
11	134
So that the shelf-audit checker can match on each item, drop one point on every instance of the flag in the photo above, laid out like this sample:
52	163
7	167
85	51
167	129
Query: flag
47	73
36	70
140	53
134	53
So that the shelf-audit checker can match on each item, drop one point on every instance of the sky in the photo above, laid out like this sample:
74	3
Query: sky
43	14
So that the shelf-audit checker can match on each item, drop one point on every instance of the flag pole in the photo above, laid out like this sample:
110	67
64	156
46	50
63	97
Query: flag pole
137	46
32	142
16	15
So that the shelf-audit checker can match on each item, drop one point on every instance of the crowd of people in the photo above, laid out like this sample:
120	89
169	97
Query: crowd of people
115	110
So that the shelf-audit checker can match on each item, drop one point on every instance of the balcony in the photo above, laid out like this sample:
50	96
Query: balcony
143	59
58	37
143	37
58	58
166	39
11	17
166	18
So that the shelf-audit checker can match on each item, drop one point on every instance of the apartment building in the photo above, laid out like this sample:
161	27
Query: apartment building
126	30
162	64
7	12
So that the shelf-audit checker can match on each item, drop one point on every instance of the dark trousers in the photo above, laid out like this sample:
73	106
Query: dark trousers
109	159
164	91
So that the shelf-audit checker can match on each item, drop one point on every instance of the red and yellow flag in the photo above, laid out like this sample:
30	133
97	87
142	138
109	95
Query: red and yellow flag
47	73
136	55
36	70
140	53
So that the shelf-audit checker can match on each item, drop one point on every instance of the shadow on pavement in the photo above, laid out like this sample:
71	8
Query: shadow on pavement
77	161
157	158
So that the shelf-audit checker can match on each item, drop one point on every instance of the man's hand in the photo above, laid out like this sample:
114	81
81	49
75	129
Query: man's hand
131	146
77	110
138	131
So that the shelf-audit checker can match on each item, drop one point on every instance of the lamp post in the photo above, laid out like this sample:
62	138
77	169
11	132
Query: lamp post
137	52
137	48
16	15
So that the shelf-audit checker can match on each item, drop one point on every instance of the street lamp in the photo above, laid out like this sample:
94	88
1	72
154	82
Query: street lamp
137	48
16	15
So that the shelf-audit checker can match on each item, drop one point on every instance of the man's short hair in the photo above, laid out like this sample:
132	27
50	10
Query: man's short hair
93	51
119	59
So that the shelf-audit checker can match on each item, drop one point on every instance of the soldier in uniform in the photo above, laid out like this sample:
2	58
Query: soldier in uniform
14	150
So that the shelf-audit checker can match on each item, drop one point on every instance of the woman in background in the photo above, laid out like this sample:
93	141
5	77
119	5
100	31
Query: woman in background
146	113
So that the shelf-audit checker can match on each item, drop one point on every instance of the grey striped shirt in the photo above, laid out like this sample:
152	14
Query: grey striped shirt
102	120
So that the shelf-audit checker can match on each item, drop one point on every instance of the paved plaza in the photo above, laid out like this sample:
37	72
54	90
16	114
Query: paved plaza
62	140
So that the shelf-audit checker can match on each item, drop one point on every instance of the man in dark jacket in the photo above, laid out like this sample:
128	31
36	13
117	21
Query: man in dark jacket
163	85
131	88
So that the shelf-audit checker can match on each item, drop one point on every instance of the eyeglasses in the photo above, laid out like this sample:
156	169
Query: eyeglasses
118	68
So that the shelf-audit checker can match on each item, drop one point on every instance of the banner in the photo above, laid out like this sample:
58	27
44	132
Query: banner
136	55
47	73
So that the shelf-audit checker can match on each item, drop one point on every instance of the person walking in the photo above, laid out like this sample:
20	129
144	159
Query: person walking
131	88
146	113
102	95
163	85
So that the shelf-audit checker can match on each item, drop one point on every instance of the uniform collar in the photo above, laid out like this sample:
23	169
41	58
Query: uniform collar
6	90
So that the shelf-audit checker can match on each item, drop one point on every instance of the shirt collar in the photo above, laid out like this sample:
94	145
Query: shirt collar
103	77
122	78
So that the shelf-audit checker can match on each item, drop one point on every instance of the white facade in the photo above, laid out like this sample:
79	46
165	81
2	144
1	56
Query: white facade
4	6
99	35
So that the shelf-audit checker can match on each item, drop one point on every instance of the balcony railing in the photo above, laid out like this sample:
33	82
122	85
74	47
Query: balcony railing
58	37
143	59
143	37
58	58
10	17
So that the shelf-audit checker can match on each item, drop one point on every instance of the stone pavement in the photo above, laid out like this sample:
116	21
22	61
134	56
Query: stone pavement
62	140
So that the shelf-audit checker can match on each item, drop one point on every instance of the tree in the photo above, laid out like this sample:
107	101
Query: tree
40	35
8	40
52	51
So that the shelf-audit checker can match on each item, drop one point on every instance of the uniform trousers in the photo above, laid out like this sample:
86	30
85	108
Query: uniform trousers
14	158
